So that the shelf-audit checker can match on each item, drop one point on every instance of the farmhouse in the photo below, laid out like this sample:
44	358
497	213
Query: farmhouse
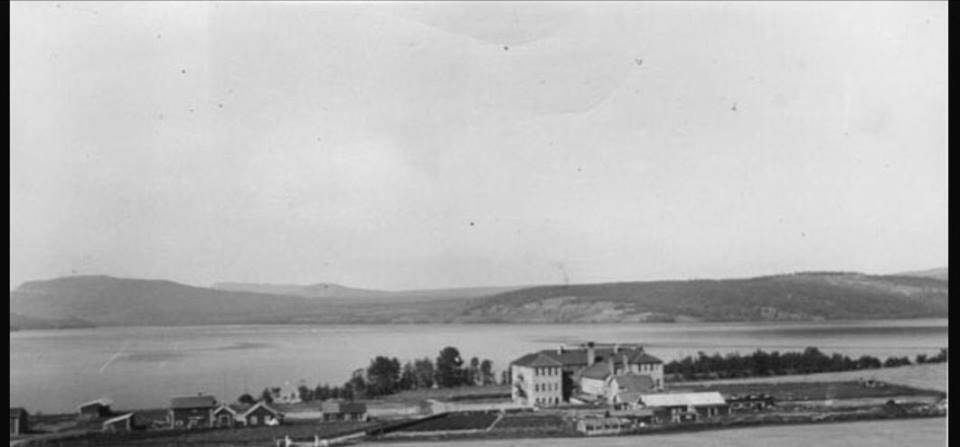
678	407
338	410
191	411
120	424
549	377
95	409
234	415
18	421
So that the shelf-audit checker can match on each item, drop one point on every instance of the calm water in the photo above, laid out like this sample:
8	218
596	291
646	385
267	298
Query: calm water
53	371
897	433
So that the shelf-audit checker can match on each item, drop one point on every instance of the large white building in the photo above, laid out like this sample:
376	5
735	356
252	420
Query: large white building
549	377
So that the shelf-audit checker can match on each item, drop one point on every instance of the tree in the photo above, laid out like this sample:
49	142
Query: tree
473	377
306	394
424	373
450	371
383	376
408	377
356	386
246	399
486	372
266	396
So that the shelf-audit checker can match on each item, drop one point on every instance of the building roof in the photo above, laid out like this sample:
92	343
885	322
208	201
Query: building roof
634	382
117	419
101	401
680	399
537	359
260	404
339	406
193	402
598	371
16	412
577	357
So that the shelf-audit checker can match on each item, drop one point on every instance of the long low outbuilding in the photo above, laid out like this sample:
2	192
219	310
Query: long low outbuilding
681	406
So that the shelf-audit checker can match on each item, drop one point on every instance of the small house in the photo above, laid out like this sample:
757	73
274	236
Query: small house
191	411
338	410
260	414
239	415
18	421
95	409
226	415
120	424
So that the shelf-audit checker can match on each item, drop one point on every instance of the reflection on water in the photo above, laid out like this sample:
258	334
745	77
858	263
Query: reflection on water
54	370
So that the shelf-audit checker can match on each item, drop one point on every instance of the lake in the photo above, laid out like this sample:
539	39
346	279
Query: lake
53	371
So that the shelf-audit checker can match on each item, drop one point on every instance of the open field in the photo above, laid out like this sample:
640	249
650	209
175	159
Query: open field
931	376
815	391
884	433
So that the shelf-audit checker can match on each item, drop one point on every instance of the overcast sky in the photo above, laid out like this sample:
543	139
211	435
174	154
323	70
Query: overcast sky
467	144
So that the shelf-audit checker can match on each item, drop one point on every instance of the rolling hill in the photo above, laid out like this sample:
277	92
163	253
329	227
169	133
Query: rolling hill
803	296
341	293
938	273
108	301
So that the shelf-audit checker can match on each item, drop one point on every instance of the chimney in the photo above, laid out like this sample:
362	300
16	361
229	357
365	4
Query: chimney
591	355
626	366
560	350
616	348
610	363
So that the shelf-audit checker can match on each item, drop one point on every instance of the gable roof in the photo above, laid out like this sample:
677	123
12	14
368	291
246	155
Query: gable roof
260	404
634	382
103	401
117	419
537	359
577	357
184	402
598	371
682	399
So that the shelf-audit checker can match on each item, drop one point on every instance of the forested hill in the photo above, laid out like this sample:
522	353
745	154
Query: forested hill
106	301
804	296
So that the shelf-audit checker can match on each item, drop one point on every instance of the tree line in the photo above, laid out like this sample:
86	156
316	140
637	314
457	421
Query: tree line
386	375
762	363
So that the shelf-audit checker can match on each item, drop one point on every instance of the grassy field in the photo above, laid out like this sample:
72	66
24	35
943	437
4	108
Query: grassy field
814	391
927	377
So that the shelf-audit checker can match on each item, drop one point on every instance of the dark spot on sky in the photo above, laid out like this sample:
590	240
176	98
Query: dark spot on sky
638	61
58	5
803	234
191	110
579	169
506	48
734	107
183	70
471	224
220	105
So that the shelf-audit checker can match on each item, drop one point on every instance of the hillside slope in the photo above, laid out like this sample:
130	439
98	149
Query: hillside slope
941	273
106	301
811	296
335	292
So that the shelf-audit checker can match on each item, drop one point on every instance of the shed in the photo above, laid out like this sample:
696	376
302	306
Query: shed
19	423
338	410
119	424
95	409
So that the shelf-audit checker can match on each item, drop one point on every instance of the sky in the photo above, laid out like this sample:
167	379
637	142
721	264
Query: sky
430	145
